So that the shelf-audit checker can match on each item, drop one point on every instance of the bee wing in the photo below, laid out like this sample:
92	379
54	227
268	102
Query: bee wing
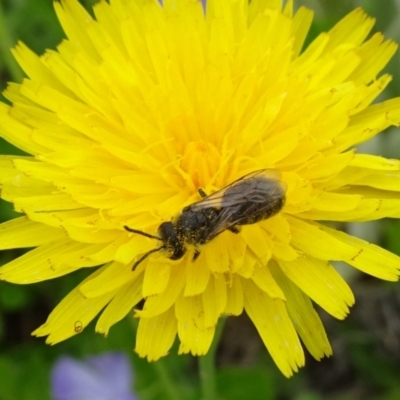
225	219
247	188
220	224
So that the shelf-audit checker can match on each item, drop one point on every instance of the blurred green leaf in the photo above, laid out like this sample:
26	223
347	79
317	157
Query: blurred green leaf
13	297
245	383
392	236
8	379
34	378
394	394
34	23
7	211
308	396
377	370
24	375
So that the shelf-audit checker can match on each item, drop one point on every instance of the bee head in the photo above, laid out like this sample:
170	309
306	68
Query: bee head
172	240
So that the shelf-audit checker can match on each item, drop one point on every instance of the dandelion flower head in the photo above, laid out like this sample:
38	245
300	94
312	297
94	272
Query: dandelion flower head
145	103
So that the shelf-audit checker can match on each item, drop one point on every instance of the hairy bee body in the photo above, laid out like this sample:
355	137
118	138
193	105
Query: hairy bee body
248	200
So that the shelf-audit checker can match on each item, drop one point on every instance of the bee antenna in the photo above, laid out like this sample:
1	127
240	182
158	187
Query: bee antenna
144	256
141	233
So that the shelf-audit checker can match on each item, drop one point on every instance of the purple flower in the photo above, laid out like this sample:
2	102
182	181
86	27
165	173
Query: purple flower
104	377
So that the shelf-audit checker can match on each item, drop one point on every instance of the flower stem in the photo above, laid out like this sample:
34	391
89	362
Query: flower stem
208	368
170	390
5	45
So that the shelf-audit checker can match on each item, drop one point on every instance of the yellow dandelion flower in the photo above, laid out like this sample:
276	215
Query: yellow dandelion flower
145	104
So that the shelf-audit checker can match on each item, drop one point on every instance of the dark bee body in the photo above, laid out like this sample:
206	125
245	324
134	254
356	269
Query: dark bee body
250	199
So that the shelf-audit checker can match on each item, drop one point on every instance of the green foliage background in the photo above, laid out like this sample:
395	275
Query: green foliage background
366	361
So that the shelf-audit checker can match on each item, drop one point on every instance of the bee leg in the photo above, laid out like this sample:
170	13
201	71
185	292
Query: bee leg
202	193
234	229
195	255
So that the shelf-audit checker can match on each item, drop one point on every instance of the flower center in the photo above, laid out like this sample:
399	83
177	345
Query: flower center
200	160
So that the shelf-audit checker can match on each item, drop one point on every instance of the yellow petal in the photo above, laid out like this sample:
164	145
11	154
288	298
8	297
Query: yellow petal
370	161
367	123
160	303
353	28
74	20
264	280
10	125
234	301
370	258
376	54
156	335
197	277
21	232
275	328
195	337
72	314
258	242
300	27
156	277
122	303
337	202
216	254
115	276
214	300
305	319
320	281
36	265
311	239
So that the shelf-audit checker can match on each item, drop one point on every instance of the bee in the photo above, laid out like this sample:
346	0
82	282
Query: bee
248	200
